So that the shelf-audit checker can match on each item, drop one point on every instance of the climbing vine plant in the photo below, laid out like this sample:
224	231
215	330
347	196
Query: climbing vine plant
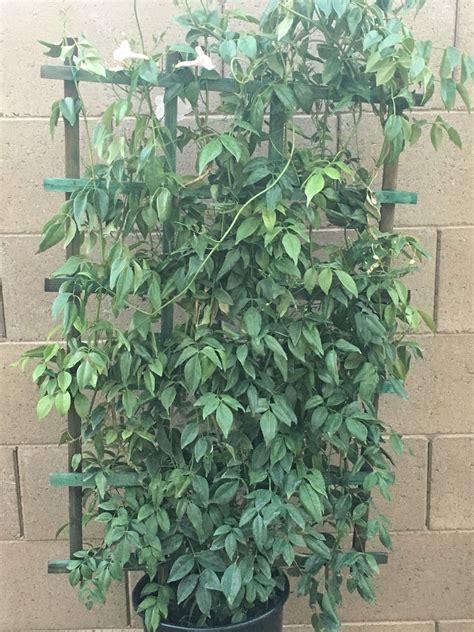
250	417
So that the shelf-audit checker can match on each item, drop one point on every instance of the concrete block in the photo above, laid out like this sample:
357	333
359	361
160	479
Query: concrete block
25	206
439	389
452	483
9	516
456	626
27	306
36	462
465	25
427	579
18	395
34	600
456	287
407	510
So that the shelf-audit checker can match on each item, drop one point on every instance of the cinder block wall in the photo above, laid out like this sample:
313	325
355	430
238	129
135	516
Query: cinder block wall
426	585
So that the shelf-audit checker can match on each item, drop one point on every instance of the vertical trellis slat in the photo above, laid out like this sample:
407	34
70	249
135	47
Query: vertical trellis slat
73	170
171	121
276	130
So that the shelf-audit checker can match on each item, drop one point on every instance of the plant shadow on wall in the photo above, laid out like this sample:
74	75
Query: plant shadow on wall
247	428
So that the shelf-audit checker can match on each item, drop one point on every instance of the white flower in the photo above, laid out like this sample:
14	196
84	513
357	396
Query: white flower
184	107
202	61
124	53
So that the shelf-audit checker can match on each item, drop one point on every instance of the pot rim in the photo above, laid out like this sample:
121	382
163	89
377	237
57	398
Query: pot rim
279	602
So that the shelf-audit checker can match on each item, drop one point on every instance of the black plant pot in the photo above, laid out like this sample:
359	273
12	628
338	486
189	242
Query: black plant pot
269	621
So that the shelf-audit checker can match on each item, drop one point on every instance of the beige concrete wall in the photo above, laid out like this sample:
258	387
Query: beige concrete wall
426	585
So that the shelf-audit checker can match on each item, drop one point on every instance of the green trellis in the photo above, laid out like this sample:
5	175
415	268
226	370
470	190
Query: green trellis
388	197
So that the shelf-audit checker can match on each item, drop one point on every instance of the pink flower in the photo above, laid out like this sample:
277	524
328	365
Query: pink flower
124	53
202	61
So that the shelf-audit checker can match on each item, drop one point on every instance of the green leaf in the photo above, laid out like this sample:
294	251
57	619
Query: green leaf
186	587
286	96
189	434
464	94
224	417
231	583
259	532
292	246
81	405
209	153
428	320
67	106
52	236
203	599
148	71
347	281
232	145
340	7
325	280
269	426
310	279
310	501
247	228
436	135
247	44
62	401
454	137
252	322
193	373
371	38
357	429
181	567
284	26
314	185
396	442
228	50
54	117
44	406
448	93
304	95
273	344
64	380
393	127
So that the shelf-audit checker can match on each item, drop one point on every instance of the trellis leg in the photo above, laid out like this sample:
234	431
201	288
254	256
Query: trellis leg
171	121
387	217
389	183
72	169
276	130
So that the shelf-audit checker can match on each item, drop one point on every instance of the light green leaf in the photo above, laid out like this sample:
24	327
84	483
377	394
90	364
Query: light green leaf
313	186
247	44
224	417
325	280
62	401
310	279
232	145
44	406
292	246
247	228
209	153
347	281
